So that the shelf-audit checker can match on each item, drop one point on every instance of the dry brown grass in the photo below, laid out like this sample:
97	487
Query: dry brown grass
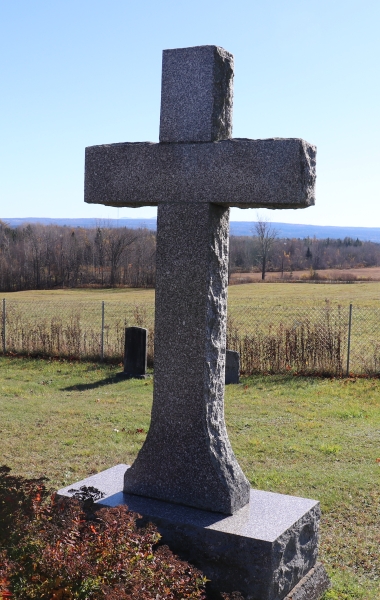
314	344
364	274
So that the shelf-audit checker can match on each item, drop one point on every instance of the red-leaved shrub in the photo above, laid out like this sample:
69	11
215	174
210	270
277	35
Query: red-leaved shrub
59	549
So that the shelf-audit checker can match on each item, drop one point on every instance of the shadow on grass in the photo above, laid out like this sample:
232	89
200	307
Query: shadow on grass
271	380
82	387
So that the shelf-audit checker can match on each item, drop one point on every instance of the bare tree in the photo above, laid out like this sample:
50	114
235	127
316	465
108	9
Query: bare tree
49	256
115	243
265	235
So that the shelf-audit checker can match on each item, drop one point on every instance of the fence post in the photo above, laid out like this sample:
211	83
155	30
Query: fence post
102	335
349	340
3	336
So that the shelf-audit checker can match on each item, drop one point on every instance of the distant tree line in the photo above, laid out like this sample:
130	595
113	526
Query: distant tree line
50	256
289	255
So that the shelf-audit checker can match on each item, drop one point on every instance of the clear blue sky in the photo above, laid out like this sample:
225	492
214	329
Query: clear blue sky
80	72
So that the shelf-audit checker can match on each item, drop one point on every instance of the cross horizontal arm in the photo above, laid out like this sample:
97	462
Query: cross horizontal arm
272	173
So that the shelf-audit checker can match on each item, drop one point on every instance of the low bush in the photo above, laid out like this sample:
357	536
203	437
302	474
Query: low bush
61	549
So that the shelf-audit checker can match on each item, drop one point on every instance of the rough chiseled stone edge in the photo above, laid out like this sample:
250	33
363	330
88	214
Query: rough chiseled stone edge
308	161
221	125
295	552
312	586
224	459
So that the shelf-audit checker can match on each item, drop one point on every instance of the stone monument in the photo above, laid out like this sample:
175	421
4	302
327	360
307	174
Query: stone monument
186	478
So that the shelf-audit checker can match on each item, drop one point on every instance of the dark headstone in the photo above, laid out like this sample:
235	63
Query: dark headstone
135	352
232	367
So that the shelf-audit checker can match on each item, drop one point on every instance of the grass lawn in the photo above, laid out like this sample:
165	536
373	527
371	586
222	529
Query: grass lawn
317	438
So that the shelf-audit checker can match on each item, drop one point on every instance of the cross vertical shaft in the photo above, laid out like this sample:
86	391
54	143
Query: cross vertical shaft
187	457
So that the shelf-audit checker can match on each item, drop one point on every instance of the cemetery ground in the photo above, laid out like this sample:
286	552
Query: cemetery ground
311	437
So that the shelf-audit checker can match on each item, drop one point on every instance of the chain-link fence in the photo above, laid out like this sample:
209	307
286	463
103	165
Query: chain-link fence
280	339
78	329
330	339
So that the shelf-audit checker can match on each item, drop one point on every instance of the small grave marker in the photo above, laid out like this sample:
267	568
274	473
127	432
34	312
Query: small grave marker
135	352
232	367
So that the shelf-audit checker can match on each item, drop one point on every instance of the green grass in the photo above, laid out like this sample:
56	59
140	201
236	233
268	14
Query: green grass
316	438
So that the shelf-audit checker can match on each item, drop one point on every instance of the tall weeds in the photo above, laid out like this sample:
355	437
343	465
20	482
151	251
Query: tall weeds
302	346
75	333
275	340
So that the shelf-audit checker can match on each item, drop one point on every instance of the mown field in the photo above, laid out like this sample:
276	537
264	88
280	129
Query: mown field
311	437
268	294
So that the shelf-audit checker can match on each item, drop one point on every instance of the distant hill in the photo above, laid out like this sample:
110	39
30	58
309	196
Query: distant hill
239	228
288	230
131	223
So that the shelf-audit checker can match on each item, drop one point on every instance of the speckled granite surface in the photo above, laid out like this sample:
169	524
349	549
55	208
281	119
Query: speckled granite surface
194	175
187	457
273	173
196	94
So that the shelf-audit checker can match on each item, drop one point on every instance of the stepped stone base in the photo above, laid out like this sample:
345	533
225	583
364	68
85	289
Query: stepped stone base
312	586
267	550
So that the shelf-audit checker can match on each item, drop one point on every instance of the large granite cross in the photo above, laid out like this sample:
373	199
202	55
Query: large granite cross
194	175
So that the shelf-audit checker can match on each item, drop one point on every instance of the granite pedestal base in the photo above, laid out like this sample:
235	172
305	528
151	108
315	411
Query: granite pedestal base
267	550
